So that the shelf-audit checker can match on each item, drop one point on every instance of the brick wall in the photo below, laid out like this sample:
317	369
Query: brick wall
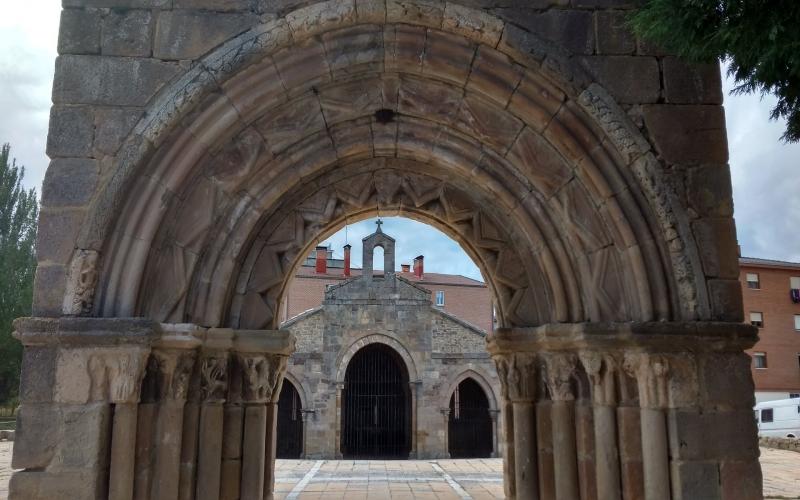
778	337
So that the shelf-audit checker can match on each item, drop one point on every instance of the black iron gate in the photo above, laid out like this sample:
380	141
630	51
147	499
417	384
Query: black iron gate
470	425
375	412
290	423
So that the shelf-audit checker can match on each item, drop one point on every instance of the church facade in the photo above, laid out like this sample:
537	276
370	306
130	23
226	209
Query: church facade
380	372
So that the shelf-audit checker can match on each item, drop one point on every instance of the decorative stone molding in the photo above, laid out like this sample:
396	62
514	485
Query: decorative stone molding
601	369
518	376
560	369
116	375
650	371
262	374
214	378
174	368
81	283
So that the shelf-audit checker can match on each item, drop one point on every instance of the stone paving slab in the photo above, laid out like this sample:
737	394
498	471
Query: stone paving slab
479	479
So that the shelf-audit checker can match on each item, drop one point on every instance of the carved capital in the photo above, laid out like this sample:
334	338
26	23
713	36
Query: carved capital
116	375
517	374
601	369
650	371
174	372
214	377
560	368
261	374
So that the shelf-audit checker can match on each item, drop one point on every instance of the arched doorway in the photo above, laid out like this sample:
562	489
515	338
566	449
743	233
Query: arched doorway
290	423
376	405
469	426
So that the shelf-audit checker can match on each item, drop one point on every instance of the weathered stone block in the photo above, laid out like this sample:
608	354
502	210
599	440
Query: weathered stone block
691	83
117	4
613	35
425	12
109	80
86	436
448	57
693	480
79	32
189	34
571	29
494	75
716	239
725	297
127	33
741	480
58	230
111	127
629	79
354	50
69	182
37	377
37	437
48	289
472	23
215	5
688	134
695	435
71	131
726	380
709	192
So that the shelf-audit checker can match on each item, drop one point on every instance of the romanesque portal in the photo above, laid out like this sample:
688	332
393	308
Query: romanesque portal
200	149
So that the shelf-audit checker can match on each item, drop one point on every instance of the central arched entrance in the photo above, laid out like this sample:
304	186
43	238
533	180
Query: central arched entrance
469	424
376	419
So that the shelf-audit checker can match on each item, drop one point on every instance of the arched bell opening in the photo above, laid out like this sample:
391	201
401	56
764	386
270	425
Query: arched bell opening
469	425
376	406
290	423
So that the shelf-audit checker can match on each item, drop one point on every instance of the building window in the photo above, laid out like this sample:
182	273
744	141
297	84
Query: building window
752	281
766	415
794	395
440	298
797	321
794	282
760	359
757	319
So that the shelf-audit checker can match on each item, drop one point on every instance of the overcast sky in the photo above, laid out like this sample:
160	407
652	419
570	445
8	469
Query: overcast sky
765	172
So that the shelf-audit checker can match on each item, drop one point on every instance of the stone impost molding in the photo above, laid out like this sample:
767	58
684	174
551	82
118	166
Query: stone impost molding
263	356
663	337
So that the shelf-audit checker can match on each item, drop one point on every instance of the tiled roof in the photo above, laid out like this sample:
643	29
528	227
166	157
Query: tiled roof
753	261
428	278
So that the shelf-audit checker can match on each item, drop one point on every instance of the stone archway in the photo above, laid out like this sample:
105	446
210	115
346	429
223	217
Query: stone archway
601	231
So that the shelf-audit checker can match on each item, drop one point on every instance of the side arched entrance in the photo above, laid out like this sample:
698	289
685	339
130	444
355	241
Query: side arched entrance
376	406
470	428
290	423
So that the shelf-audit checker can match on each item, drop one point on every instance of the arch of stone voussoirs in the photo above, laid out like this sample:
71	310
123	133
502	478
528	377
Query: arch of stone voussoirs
480	379
343	360
565	128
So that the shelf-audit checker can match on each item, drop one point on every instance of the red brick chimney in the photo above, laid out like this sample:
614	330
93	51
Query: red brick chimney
347	261
406	268
418	266
322	260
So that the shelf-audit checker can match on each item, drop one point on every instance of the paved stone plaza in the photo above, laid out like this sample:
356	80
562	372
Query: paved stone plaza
440	479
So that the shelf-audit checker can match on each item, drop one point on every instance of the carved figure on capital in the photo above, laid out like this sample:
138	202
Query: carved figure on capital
517	373
650	371
560	368
116	376
601	369
262	374
214	378
174	372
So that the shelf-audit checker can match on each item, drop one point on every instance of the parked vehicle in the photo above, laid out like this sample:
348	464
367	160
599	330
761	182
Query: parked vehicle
779	418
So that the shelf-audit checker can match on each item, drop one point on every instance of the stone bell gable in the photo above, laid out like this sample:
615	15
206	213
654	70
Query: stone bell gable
389	288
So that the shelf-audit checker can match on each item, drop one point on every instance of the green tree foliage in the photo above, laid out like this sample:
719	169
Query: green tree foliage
760	40
19	211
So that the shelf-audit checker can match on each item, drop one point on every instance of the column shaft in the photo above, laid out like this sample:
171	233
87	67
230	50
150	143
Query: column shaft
253	449
191	424
270	451
168	450
209	456
123	451
526	471
655	455
606	453
565	453
231	452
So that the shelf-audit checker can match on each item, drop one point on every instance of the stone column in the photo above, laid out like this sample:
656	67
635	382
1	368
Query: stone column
338	431
560	369
650	371
517	373
213	390
125	372
494	415
262	358
601	370
174	355
446	419
306	415
414	387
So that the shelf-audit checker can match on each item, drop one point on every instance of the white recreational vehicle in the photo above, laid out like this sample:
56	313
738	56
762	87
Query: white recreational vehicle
779	418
